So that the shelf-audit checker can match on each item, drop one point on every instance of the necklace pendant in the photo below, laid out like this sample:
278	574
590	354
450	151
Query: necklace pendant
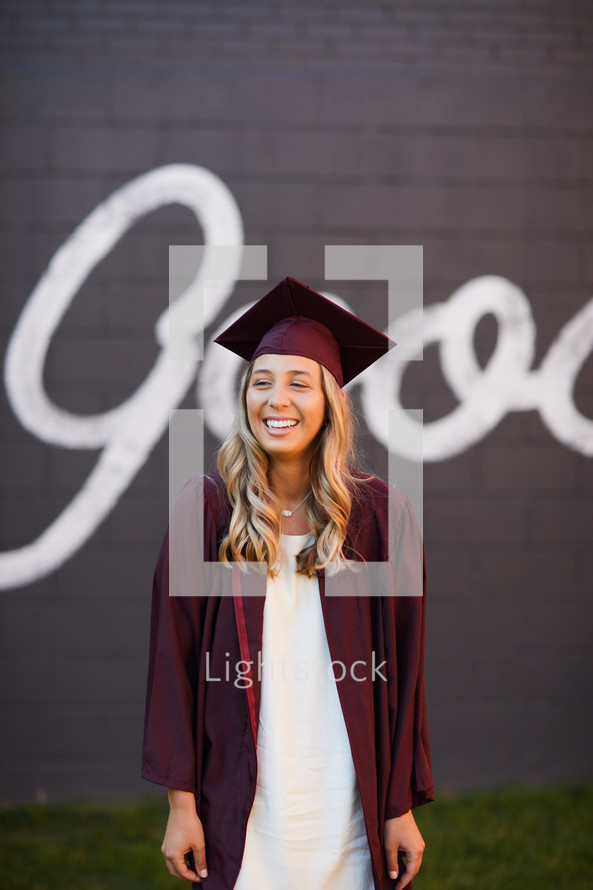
287	512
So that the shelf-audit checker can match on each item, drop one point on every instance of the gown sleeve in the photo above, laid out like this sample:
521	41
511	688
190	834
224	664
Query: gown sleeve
410	781
178	602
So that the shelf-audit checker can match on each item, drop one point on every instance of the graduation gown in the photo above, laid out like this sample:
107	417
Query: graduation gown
202	709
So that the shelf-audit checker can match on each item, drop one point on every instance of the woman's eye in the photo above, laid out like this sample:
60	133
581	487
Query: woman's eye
259	384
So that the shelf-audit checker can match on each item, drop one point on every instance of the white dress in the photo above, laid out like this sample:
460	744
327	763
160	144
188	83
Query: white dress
306	828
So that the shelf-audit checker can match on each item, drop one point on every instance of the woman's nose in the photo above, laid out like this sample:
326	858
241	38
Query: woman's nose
279	396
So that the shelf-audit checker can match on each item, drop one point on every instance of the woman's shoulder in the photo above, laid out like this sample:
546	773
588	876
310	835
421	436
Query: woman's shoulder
214	486
376	494
366	486
209	490
211	484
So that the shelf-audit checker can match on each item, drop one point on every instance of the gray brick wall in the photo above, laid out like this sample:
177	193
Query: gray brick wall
464	127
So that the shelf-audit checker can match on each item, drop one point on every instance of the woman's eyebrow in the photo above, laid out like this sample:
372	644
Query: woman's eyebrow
293	371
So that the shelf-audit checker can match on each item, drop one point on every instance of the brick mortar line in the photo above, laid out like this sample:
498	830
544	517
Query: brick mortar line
469	26
380	128
492	52
290	178
316	230
404	71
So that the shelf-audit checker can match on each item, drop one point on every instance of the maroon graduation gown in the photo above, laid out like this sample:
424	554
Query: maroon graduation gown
200	728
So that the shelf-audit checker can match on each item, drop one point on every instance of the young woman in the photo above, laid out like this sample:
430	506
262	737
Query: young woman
288	722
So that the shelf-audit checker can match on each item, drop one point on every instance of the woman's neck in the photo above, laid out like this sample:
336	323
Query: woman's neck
290	481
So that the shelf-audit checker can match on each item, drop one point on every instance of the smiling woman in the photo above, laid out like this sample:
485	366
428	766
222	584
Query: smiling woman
300	775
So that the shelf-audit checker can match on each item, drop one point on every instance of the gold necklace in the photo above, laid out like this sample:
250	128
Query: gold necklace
290	512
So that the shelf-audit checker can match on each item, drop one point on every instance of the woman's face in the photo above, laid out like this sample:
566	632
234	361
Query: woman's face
285	404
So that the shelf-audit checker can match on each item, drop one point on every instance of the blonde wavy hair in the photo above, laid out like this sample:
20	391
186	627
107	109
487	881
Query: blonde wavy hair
254	530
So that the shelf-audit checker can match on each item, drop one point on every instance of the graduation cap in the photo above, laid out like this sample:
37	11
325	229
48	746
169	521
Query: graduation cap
293	319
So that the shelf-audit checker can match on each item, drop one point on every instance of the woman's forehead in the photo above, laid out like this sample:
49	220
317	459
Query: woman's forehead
287	364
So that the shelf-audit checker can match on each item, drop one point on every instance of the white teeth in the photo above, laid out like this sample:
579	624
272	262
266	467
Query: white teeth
280	424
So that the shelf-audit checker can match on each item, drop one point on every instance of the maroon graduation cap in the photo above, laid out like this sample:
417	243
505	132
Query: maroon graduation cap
293	319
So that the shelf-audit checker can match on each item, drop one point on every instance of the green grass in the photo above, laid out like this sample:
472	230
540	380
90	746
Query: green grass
510	839
514	839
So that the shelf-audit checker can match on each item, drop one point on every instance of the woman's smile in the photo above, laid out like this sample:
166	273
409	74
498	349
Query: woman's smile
280	425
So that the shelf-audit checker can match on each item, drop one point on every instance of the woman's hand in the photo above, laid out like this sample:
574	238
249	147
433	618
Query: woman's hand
402	834
184	835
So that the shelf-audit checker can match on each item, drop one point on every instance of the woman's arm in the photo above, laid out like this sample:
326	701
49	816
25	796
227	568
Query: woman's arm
178	604
170	744
410	782
184	836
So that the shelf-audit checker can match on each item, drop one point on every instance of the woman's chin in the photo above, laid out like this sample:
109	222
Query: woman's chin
284	446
